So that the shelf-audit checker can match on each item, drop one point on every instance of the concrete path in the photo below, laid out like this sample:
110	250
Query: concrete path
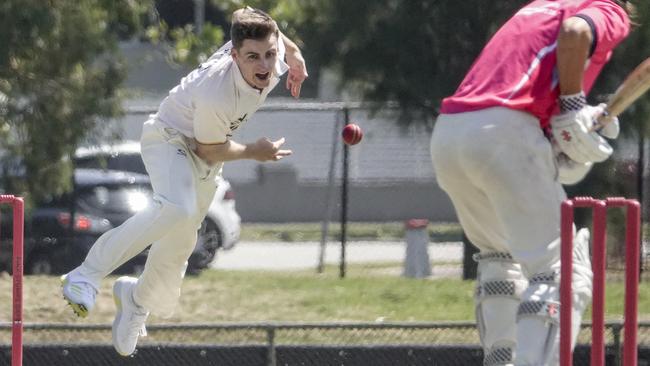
304	255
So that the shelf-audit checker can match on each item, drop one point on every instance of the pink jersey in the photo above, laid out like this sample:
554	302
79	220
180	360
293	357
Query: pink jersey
517	68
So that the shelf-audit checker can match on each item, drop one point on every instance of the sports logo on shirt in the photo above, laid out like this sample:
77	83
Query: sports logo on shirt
235	124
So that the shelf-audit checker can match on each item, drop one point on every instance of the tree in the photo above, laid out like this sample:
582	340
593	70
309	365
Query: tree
60	76
411	52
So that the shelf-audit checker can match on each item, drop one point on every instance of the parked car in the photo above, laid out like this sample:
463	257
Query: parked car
64	227
222	225
103	199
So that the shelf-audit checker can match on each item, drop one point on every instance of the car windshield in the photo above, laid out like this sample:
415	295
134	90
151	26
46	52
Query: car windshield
124	162
118	198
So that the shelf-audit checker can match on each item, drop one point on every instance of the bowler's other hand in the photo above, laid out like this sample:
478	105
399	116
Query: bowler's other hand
265	150
297	72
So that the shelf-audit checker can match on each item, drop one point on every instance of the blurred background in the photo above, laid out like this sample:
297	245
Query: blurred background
314	260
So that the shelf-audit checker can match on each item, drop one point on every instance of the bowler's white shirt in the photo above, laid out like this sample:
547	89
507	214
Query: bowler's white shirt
213	100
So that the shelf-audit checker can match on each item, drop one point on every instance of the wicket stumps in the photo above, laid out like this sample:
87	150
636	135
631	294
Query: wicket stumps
17	274
632	257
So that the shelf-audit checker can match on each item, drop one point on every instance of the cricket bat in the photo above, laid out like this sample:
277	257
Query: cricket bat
634	86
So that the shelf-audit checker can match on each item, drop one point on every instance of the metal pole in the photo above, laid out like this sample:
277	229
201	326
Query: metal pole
199	15
73	204
344	199
640	169
330	190
616	331
640	188
270	338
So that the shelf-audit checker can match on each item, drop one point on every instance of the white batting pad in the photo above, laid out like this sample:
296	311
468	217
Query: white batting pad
539	318
539	314
498	293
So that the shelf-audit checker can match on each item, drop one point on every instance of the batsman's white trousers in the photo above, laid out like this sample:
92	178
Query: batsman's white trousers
499	171
183	189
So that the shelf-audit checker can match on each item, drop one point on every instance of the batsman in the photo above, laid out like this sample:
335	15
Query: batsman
517	128
184	146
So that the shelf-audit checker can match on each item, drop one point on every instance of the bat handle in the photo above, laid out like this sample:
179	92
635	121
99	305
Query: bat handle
601	121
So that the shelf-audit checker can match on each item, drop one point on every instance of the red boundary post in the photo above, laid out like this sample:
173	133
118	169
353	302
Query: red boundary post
566	270
632	258
598	265
632	242
18	207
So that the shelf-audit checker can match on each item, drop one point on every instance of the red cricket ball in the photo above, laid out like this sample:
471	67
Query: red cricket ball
352	134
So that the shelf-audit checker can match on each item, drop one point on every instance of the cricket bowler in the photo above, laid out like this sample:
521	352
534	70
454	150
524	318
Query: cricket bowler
184	146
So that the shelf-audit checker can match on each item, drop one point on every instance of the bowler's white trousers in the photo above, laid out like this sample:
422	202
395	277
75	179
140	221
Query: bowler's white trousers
499	171
183	189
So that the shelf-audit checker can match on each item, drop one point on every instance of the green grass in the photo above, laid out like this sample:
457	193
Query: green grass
292	232
306	296
301	296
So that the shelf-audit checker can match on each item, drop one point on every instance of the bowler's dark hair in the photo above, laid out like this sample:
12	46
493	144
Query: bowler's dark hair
249	23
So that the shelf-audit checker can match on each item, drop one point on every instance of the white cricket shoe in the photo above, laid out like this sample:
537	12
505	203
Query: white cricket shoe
80	295
129	320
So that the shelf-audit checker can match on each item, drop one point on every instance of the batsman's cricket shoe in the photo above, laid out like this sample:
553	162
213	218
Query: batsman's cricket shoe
80	295
130	317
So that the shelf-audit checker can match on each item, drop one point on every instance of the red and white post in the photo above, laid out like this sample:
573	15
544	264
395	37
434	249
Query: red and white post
599	251
17	274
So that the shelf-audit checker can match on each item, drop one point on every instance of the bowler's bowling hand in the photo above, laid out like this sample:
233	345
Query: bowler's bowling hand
267	150
297	73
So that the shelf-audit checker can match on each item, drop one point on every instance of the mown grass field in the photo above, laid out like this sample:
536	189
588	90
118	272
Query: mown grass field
368	293
256	296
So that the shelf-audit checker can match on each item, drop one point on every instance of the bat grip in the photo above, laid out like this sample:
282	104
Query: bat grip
600	121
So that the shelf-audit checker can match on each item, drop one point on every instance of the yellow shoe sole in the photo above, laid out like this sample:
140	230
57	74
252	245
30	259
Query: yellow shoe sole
79	309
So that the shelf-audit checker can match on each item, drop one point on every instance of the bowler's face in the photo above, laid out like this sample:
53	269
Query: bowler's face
256	60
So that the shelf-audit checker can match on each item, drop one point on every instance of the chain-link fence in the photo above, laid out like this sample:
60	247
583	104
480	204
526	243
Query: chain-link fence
275	344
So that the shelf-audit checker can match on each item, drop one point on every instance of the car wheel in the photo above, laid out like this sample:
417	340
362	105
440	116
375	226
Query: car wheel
208	241
39	265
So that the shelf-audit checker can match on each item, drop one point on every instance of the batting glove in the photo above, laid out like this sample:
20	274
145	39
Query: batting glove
612	126
572	131
570	172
